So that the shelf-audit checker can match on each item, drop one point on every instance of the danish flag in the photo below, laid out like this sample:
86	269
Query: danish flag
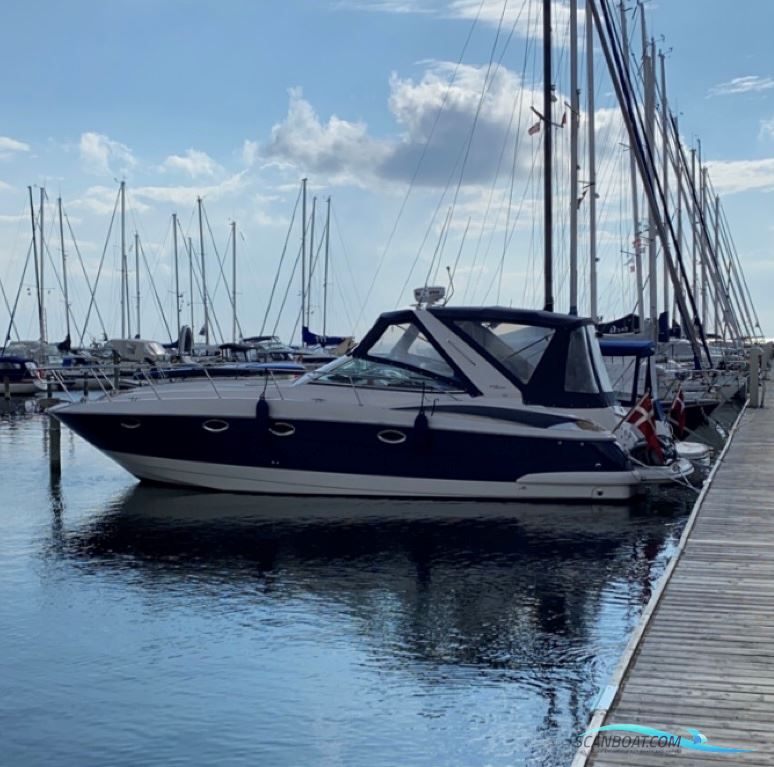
677	413
642	416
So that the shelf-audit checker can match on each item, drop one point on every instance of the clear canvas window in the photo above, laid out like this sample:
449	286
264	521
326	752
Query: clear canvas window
519	348
406	345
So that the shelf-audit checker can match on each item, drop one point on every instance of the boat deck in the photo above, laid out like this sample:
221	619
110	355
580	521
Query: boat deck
703	655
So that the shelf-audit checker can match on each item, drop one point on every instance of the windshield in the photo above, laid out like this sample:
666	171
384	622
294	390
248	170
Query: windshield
519	348
405	346
365	372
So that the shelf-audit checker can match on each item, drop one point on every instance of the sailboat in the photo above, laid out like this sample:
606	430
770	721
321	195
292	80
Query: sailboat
705	367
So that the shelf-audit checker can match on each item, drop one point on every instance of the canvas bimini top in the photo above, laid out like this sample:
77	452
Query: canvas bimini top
552	359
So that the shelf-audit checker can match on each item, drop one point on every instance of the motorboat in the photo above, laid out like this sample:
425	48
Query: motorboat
20	376
436	401
633	372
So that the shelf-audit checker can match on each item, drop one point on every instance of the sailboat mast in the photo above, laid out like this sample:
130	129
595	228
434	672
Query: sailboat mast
592	172
37	269
325	269
177	272
694	236
204	279
720	320
303	257
703	241
43	264
650	128
548	265
64	267
574	124
137	280
678	170
123	260
633	177
311	262
233	283
191	282
664	170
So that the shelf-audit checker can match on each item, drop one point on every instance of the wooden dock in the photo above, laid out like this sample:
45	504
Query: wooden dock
703	654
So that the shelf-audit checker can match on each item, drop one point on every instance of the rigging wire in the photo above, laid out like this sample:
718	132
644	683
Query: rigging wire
155	292
99	270
12	312
420	162
279	267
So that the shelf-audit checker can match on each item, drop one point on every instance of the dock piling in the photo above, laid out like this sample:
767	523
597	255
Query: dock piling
55	446
7	388
756	355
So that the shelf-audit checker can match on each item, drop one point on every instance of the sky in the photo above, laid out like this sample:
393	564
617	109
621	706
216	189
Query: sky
379	103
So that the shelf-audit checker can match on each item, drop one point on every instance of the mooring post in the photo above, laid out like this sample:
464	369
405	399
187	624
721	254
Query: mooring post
55	445
7	388
116	370
755	363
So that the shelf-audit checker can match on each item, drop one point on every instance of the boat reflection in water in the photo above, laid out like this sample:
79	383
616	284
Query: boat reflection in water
392	632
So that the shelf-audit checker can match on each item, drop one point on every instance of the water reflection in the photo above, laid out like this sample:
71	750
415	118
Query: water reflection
536	600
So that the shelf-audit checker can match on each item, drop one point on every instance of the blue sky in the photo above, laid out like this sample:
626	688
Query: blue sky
237	101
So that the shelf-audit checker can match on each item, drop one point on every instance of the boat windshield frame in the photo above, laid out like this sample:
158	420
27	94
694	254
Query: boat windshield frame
459	382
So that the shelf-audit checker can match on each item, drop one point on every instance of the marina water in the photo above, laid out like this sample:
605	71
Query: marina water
144	625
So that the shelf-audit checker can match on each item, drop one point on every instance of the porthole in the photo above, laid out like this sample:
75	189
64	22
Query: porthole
215	425
130	423
391	437
282	429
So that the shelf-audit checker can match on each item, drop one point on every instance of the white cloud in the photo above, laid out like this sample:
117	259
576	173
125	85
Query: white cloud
11	218
102	201
9	147
746	84
193	162
339	149
4	187
517	17
262	218
767	129
249	152
186	195
730	176
438	114
434	118
391	6
103	156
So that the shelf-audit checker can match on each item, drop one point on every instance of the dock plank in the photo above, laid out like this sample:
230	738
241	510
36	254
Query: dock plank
705	656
